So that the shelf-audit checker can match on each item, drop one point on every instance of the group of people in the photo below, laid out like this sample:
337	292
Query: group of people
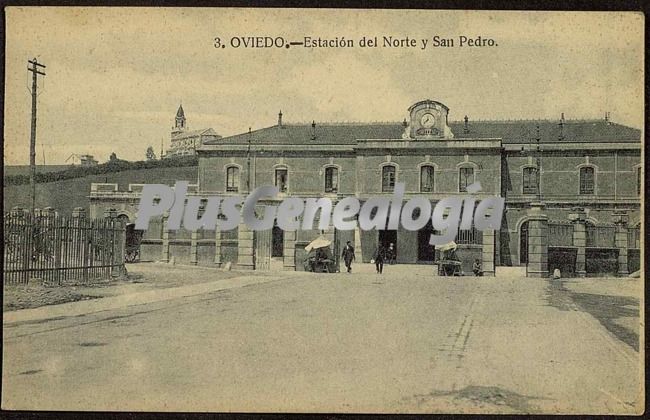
380	255
389	254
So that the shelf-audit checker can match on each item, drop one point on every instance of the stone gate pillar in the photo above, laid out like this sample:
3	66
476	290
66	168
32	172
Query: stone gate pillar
488	253
246	247
621	219
537	242
579	219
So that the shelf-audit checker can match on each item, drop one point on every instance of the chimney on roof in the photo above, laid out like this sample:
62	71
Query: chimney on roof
313	130
561	136
404	123
466	127
607	117
280	119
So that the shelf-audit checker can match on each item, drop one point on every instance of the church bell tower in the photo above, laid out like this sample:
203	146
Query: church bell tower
181	123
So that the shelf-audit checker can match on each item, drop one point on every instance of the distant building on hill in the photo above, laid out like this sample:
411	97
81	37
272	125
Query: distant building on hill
88	160
185	142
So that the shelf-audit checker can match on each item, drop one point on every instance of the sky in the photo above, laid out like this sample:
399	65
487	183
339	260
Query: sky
116	76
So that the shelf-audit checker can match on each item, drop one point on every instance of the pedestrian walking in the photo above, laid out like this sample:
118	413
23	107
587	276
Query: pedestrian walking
391	254
348	256
378	257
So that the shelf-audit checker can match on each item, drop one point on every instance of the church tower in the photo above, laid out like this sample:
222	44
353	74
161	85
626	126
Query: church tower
181	123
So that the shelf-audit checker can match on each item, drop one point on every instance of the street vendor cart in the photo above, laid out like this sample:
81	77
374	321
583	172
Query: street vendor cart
320	258
449	264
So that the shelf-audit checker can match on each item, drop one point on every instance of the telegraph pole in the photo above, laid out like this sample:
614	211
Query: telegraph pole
248	161
539	168
32	140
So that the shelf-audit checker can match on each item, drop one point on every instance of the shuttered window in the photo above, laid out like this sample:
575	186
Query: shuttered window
587	180
465	178
426	178
331	180
388	178
530	181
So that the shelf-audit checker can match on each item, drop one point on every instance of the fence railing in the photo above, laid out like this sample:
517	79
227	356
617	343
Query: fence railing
469	237
58	250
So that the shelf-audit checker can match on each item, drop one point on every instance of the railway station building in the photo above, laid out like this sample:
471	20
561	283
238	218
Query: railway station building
572	190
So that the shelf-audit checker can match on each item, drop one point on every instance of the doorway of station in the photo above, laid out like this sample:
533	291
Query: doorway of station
387	237
277	242
426	252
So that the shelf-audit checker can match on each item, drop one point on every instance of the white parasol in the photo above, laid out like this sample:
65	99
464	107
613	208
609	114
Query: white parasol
448	246
319	242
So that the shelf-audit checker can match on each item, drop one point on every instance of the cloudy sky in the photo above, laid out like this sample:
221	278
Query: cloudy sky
115	77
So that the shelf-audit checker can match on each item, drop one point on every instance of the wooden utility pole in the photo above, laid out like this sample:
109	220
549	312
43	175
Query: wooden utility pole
248	162
32	140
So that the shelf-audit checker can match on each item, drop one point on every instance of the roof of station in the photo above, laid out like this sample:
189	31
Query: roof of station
510	131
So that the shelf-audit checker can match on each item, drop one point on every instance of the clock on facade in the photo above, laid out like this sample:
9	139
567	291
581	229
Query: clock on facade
428	120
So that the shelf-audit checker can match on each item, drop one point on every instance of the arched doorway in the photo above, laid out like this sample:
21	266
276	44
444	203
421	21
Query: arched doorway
523	244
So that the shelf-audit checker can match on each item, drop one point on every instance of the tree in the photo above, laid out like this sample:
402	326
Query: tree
151	155
112	157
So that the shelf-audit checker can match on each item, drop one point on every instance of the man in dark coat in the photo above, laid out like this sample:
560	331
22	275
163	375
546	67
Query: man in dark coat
379	257
348	256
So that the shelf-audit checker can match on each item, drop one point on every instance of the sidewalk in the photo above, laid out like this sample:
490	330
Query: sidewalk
84	307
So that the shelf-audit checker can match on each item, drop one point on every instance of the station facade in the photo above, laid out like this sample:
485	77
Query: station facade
572	189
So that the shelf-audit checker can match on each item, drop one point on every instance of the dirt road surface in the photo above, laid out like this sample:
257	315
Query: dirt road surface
404	341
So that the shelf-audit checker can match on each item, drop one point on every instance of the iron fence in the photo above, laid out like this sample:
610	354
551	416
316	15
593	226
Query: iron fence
58	249
469	237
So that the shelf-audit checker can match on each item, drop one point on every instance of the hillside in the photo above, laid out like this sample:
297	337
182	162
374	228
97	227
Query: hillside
13	170
67	194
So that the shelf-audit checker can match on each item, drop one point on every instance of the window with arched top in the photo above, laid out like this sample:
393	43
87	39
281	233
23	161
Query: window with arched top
232	179
388	177
587	180
331	179
465	177
427	173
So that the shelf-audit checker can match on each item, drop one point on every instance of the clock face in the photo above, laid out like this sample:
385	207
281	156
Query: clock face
428	120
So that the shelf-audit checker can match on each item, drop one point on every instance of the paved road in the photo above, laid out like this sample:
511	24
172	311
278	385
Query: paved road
401	342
